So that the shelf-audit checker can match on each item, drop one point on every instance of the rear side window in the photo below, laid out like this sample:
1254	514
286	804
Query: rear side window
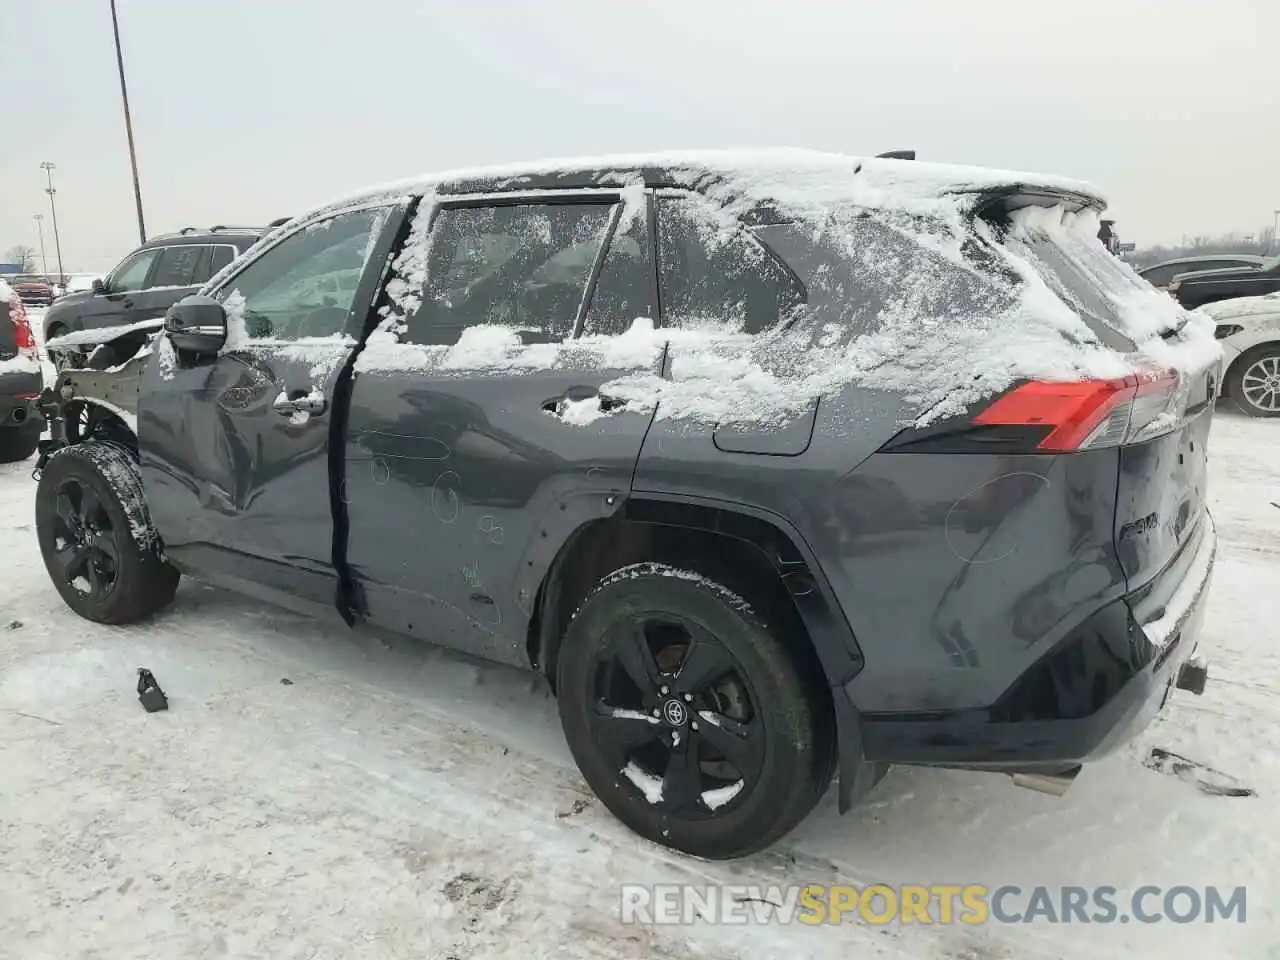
714	275
523	266
177	266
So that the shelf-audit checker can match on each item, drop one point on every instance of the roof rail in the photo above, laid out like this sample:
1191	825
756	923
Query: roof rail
220	228
897	155
278	223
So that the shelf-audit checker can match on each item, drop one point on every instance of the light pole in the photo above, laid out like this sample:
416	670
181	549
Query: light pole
44	260
48	169
128	125
1275	229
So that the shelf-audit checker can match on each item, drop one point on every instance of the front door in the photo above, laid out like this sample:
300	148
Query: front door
235	449
476	441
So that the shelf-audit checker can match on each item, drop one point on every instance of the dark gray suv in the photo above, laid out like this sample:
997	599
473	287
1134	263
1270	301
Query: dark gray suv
150	279
775	466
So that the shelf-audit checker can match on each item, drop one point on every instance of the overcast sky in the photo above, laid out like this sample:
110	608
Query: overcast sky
247	110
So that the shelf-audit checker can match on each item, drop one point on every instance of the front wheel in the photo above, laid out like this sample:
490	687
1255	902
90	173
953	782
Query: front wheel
695	725
99	546
1254	384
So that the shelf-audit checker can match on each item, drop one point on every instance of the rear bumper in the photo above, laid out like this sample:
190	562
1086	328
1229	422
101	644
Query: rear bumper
1097	689
20	400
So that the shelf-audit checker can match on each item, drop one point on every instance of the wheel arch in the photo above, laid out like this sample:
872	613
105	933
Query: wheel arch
1245	357
770	560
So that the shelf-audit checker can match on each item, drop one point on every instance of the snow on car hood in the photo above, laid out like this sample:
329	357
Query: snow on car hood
1243	307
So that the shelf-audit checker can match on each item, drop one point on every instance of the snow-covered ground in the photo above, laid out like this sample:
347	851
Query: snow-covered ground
391	800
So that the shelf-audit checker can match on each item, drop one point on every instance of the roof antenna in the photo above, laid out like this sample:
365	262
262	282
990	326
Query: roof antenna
897	155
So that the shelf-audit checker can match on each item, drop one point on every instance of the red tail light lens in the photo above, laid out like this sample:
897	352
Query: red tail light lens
1086	414
24	339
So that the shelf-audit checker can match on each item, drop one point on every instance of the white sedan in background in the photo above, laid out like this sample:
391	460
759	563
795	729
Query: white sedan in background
1249	329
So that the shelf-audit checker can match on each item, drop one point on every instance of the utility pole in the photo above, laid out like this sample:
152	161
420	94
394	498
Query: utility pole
48	169
44	260
128	125
1275	229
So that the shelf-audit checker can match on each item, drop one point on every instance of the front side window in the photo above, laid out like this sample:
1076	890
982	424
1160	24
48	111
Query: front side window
523	266
177	266
132	273
305	285
713	275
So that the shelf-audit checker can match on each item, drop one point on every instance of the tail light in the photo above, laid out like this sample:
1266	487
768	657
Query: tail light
24	339
1086	414
1048	416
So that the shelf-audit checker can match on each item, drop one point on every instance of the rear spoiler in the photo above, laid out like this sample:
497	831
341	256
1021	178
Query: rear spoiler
996	205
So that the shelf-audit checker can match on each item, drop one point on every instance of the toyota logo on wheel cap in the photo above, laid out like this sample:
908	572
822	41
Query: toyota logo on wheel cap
674	713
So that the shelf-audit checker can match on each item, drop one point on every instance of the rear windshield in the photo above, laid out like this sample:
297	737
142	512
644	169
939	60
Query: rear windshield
1083	273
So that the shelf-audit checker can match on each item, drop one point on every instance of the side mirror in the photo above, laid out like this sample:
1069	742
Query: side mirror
98	286
196	324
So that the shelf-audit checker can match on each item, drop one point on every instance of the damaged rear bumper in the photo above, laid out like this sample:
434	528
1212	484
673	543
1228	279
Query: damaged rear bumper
1098	688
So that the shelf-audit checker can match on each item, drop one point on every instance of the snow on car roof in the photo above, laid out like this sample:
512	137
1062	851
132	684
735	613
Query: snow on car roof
803	180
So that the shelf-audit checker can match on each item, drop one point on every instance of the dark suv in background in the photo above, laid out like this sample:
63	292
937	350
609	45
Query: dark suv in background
1196	289
151	279
20	380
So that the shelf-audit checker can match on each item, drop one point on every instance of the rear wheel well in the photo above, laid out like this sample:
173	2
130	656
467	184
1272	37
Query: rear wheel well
749	558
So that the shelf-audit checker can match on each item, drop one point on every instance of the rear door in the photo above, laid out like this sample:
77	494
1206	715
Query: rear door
235	449
473	451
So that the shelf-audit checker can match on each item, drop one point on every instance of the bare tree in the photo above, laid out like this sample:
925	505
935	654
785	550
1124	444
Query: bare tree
23	256
1263	243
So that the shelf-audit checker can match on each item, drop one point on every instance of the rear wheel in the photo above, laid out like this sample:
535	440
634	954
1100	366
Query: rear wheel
690	720
18	443
1254	383
99	546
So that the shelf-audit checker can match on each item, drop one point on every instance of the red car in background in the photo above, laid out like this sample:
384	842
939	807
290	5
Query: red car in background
32	290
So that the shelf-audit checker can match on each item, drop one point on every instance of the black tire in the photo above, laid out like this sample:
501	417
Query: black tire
99	546
782	760
1258	364
18	443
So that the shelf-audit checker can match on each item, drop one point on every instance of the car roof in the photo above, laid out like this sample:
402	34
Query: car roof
793	177
1244	257
212	235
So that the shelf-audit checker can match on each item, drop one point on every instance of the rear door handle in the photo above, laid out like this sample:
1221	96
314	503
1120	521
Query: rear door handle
308	403
556	405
